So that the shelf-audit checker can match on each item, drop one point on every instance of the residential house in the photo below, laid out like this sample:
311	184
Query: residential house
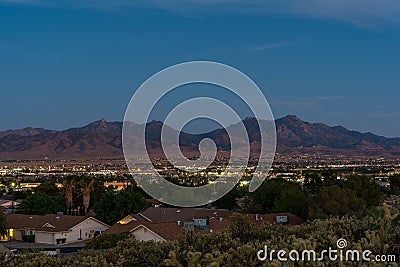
146	231
52	229
8	206
160	224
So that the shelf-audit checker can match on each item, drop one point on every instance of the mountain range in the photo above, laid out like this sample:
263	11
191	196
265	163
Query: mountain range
102	139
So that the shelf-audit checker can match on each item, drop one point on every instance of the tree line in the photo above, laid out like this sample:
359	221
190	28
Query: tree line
320	196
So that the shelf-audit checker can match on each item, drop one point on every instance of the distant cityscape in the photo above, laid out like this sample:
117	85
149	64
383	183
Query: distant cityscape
25	175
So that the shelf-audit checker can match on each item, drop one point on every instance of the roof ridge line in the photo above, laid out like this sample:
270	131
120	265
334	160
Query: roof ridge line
145	217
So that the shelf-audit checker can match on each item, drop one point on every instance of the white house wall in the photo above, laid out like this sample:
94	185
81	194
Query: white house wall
17	235
87	228
44	238
82	231
143	234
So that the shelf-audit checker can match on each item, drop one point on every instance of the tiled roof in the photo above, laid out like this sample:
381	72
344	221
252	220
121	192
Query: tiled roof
168	214
212	213
166	230
48	223
217	224
120	228
137	217
164	221
182	214
154	202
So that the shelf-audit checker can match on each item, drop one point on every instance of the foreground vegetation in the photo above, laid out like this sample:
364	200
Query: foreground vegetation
237	246
333	208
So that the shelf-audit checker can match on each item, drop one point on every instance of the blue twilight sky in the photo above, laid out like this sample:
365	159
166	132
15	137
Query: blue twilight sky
67	63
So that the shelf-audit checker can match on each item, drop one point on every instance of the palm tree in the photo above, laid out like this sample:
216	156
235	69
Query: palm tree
69	192
86	189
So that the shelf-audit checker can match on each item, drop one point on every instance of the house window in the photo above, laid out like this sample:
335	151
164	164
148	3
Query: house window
188	226
97	232
282	220
201	224
61	241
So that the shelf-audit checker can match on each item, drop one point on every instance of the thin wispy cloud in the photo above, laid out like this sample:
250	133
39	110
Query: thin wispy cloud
339	9
305	39
24	2
363	13
328	97
273	45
